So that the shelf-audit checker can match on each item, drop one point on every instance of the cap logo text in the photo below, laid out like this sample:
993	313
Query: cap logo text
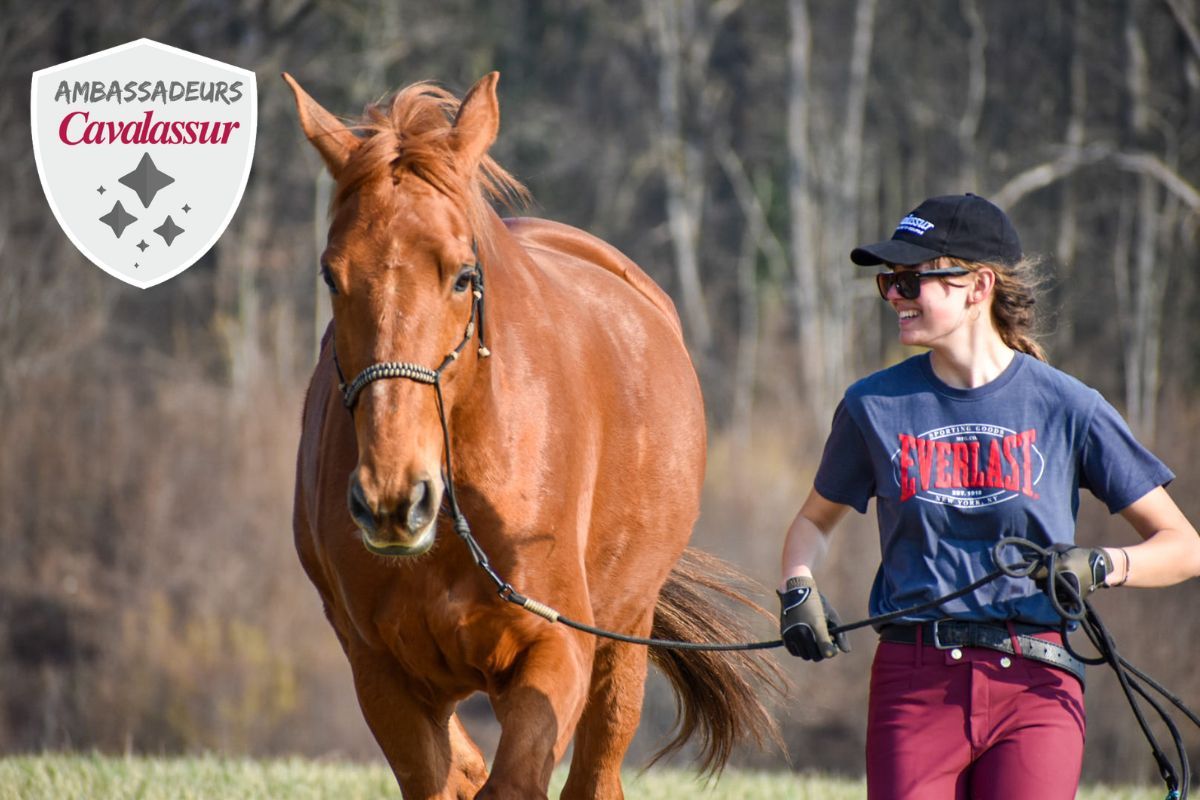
915	225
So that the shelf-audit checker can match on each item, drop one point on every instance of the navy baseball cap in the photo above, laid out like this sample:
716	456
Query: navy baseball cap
960	225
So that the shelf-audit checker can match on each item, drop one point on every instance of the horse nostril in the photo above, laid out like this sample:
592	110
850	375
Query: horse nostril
421	507
360	511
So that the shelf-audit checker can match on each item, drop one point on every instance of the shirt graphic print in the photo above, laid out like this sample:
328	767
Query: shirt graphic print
968	465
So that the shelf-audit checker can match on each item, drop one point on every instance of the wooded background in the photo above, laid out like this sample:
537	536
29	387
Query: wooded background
150	598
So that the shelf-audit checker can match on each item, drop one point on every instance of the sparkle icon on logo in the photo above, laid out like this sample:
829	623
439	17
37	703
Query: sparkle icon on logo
147	180
168	231
144	151
118	219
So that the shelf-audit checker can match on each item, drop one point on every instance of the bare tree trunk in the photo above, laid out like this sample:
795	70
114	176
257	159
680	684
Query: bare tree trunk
968	124
1156	291
806	286
1136	72
840	324
1144	290
1121	254
1179	10
681	164
745	365
1068	228
826	325
1141	291
1139	295
239	316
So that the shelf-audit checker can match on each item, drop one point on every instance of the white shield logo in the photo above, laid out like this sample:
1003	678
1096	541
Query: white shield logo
144	151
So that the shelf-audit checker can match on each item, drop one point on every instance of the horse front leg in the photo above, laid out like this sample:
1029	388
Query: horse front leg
538	709
429	751
609	722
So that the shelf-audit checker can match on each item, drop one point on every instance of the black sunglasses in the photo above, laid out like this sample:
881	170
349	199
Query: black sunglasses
908	282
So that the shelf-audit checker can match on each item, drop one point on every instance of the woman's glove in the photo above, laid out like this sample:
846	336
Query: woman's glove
1085	568
805	618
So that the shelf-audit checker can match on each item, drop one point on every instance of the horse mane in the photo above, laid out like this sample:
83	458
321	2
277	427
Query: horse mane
413	132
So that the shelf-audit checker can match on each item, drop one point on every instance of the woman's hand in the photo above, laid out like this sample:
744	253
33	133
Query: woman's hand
805	618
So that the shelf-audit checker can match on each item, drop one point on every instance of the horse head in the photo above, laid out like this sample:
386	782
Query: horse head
409	217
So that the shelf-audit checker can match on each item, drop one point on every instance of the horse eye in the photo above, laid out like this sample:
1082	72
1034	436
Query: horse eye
465	278
325	276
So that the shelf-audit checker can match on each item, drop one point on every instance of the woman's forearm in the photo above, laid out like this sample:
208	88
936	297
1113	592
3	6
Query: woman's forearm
808	537
1170	552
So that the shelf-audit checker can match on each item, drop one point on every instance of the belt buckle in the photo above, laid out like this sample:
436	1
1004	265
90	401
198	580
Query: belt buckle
937	641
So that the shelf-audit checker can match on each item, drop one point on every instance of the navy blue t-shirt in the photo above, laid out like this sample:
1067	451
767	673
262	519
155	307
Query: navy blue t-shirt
954	470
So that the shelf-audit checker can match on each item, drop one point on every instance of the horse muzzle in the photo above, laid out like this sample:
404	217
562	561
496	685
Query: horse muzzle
405	528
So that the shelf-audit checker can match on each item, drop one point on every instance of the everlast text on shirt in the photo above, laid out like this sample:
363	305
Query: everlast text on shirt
1002	463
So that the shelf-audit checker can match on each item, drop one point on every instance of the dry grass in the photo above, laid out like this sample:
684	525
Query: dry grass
95	777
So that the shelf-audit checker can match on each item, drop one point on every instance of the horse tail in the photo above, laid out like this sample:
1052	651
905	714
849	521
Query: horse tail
716	692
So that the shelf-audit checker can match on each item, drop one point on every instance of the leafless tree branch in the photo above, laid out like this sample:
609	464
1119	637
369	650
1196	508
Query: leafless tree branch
1185	24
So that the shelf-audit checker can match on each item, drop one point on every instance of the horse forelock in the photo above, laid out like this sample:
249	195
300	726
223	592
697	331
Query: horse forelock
413	133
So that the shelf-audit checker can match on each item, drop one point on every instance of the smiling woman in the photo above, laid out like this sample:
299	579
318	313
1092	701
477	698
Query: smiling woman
977	440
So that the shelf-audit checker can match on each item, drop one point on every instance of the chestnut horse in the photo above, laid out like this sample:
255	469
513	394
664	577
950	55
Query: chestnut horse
577	448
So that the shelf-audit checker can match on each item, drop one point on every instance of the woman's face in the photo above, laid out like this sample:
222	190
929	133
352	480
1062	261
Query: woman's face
937	312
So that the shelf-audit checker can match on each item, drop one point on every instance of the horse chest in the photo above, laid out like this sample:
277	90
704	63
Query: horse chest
434	633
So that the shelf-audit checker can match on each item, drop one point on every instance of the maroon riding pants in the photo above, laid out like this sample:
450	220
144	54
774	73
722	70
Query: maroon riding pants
971	723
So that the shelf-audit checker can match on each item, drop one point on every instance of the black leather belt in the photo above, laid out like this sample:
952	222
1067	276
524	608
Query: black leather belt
947	633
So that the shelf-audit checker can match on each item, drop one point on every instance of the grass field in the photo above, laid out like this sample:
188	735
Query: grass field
82	777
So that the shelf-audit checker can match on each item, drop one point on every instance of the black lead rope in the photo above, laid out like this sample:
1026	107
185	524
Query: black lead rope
1074	609
1077	609
766	645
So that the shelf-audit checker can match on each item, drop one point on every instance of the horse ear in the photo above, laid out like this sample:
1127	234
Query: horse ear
478	120
333	140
